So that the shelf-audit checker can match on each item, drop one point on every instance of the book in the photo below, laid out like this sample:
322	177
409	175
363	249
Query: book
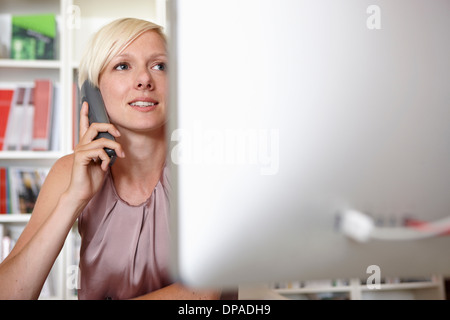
26	135
24	185
33	36
5	35
6	245
43	101
9	236
55	124
31	120
3	191
2	235
6	98
20	122
14	120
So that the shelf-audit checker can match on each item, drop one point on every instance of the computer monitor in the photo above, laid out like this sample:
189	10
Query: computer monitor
309	139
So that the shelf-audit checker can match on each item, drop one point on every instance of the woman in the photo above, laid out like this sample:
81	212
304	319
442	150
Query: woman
123	208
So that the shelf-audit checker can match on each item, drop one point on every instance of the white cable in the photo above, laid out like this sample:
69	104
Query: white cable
400	233
360	227
356	225
428	230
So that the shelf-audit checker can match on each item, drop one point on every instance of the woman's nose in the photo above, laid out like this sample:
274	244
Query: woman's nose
144	80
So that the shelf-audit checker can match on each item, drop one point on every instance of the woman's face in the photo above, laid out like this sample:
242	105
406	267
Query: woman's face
134	84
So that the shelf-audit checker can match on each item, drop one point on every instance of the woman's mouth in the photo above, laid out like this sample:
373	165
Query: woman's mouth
144	105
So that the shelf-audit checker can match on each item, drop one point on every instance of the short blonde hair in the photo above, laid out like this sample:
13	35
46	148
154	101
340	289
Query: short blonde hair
108	42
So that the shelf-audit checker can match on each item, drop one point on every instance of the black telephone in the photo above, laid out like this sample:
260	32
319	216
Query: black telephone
97	113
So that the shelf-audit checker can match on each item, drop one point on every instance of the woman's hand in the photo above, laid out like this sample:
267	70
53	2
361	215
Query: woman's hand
90	159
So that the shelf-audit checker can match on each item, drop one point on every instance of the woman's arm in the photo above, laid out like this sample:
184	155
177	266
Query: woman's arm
70	184
23	272
177	291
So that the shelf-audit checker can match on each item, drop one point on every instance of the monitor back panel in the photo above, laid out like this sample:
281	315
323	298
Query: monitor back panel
286	113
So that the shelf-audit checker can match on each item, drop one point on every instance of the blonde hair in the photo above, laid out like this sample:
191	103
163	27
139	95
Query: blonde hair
108	42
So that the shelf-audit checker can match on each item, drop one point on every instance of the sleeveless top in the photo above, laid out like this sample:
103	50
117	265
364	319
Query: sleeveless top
124	248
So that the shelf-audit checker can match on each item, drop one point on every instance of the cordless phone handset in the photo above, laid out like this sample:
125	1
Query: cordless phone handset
97	113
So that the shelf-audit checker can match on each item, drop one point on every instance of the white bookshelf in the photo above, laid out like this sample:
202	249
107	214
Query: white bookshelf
77	21
427	288
31	64
14	218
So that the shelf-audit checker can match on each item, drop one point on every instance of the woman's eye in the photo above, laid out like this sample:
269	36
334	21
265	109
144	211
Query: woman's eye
160	67
121	66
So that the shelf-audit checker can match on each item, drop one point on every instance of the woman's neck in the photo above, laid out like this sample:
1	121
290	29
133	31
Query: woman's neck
136	175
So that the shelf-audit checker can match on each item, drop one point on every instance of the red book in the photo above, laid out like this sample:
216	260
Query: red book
43	94
6	96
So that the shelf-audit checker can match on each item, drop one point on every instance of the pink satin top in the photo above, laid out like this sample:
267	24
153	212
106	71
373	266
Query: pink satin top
124	248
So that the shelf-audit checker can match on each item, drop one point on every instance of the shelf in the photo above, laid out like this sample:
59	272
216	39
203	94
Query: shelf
30	64
383	287
14	218
420	289
403	286
32	155
319	289
29	158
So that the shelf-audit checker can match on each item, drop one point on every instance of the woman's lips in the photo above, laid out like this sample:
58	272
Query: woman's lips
144	104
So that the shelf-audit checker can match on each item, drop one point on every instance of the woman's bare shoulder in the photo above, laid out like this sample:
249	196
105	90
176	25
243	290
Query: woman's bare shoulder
58	177
63	165
55	183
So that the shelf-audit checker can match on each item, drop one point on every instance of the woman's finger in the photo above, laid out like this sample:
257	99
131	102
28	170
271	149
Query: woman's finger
96	128
98	156
102	143
89	132
84	119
